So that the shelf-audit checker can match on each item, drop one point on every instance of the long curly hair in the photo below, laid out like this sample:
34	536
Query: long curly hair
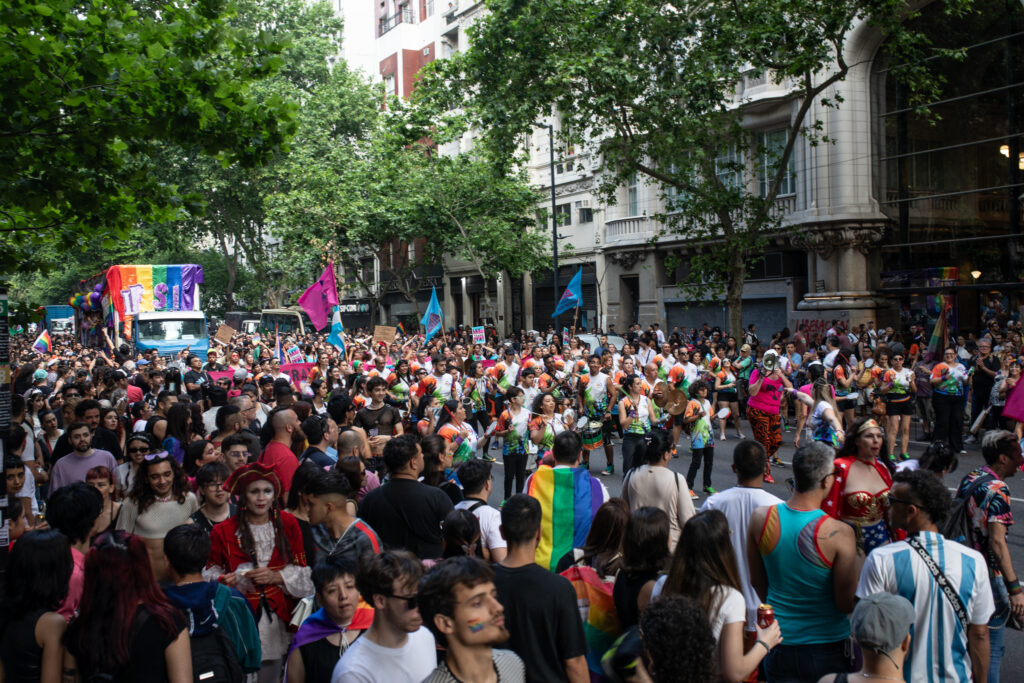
143	494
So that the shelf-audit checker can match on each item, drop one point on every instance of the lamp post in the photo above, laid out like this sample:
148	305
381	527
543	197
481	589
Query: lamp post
554	219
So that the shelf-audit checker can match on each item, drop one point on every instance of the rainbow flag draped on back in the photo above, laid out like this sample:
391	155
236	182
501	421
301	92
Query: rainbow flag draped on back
940	335
601	625
569	498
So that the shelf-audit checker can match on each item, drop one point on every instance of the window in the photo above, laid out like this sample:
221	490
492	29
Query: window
171	330
389	84
632	196
430	8
586	216
771	145
563	214
728	167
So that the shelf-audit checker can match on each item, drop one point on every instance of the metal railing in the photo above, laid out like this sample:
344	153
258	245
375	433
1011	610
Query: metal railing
402	16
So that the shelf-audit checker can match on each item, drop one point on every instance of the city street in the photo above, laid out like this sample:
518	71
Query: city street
722	478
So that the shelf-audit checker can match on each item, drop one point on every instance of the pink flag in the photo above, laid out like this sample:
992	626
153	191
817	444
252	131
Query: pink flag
1014	408
320	297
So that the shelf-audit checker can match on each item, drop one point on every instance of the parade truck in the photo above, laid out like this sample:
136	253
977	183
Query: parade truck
146	306
59	319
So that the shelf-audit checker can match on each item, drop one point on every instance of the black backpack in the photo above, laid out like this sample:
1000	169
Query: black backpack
957	526
214	659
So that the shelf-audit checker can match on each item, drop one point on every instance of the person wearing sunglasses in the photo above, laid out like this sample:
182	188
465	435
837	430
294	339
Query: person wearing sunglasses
397	647
136	448
896	386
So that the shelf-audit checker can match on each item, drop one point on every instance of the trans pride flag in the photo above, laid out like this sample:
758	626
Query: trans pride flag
569	498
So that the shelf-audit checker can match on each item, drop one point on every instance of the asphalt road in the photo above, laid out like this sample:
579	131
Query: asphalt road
722	477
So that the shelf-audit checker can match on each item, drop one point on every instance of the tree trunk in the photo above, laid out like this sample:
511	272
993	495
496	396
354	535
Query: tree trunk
734	293
231	265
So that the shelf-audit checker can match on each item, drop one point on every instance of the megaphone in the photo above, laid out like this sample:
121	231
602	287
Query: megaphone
769	361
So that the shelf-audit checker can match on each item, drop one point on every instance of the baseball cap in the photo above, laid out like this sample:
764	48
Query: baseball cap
266	379
241	373
881	621
119	374
211	351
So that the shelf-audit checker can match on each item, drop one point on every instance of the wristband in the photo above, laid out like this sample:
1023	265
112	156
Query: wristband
1013	587
761	642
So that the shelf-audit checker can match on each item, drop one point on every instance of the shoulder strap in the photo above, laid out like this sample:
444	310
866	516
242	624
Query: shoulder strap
476	504
942	581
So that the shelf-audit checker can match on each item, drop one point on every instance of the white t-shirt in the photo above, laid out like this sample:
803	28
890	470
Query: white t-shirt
737	504
732	609
490	522
897	568
367	662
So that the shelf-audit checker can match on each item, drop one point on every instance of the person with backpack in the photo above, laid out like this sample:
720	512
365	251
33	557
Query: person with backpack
919	503
221	629
981	515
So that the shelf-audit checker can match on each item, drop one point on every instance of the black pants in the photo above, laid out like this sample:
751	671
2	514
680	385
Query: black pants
515	468
633	446
697	454
949	420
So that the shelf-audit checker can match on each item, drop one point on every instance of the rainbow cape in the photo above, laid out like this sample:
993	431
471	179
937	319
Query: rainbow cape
43	344
569	498
602	625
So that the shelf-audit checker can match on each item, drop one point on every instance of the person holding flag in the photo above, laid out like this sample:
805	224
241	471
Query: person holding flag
43	344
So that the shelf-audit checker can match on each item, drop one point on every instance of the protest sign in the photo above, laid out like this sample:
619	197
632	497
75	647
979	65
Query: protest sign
224	334
383	333
479	336
218	374
297	373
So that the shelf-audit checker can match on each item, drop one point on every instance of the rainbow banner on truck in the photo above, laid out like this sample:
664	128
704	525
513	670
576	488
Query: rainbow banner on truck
146	288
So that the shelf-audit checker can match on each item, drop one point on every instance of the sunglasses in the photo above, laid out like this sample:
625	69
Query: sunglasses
137	450
161	455
410	600
893	499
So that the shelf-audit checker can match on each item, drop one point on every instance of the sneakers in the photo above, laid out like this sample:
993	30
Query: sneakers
488	458
674	453
694	495
769	479
777	463
494	446
722	438
971	439
608	471
710	489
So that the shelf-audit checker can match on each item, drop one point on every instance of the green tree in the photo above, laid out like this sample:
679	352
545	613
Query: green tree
88	86
653	86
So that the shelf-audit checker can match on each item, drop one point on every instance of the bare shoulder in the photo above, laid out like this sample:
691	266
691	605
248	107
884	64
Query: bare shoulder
834	532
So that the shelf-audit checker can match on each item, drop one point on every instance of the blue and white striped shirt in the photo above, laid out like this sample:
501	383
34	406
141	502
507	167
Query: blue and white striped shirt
938	649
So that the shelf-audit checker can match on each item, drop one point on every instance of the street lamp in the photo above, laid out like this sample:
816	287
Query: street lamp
554	218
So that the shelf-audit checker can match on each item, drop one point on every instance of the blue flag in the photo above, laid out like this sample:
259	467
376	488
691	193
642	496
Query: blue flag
573	295
337	330
432	319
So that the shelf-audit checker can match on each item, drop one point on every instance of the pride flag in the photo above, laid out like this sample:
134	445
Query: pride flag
134	289
43	344
572	297
320	297
601	625
569	498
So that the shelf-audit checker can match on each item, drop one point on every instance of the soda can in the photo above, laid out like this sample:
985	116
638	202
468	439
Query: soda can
765	615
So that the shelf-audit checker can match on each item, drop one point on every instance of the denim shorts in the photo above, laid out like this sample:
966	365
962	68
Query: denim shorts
808	663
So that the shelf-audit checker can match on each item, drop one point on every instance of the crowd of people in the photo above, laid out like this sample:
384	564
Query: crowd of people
169	524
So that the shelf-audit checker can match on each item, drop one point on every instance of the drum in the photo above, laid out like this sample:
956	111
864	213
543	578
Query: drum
591	432
724	414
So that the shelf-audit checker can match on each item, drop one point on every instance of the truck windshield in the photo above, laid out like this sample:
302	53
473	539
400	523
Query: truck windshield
172	330
286	323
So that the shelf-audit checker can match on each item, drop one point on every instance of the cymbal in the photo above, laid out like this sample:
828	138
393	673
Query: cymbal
676	402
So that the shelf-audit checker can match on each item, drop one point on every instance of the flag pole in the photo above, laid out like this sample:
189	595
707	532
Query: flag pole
575	313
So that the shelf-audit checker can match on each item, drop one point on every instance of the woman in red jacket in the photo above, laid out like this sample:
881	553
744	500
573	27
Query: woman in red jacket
259	551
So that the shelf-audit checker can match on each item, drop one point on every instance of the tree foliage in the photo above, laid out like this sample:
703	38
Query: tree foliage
89	85
654	87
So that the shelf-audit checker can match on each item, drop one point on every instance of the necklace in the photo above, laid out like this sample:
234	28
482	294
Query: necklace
164	499
887	678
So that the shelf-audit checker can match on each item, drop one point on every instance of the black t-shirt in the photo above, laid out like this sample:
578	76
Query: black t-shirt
982	383
146	663
382	419
316	456
627	590
542	616
193	377
407	514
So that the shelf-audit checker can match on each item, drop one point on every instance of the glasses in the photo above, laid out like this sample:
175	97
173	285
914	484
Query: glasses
161	455
893	499
410	600
244	454
137	450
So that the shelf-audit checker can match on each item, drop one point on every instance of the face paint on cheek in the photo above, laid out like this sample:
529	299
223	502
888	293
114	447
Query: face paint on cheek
476	625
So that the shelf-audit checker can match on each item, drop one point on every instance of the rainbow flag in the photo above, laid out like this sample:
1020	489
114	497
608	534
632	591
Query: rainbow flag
601	626
569	498
133	289
940	335
400	328
43	343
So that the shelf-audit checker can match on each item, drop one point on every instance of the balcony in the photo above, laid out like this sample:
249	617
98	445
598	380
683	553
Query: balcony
631	231
402	16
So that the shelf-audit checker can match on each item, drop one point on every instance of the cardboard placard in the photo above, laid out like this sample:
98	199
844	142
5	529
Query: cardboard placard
225	333
479	335
297	373
383	333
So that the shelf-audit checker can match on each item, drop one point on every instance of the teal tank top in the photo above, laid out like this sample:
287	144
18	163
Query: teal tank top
800	578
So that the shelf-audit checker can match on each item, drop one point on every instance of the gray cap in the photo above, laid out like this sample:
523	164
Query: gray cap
241	373
881	621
